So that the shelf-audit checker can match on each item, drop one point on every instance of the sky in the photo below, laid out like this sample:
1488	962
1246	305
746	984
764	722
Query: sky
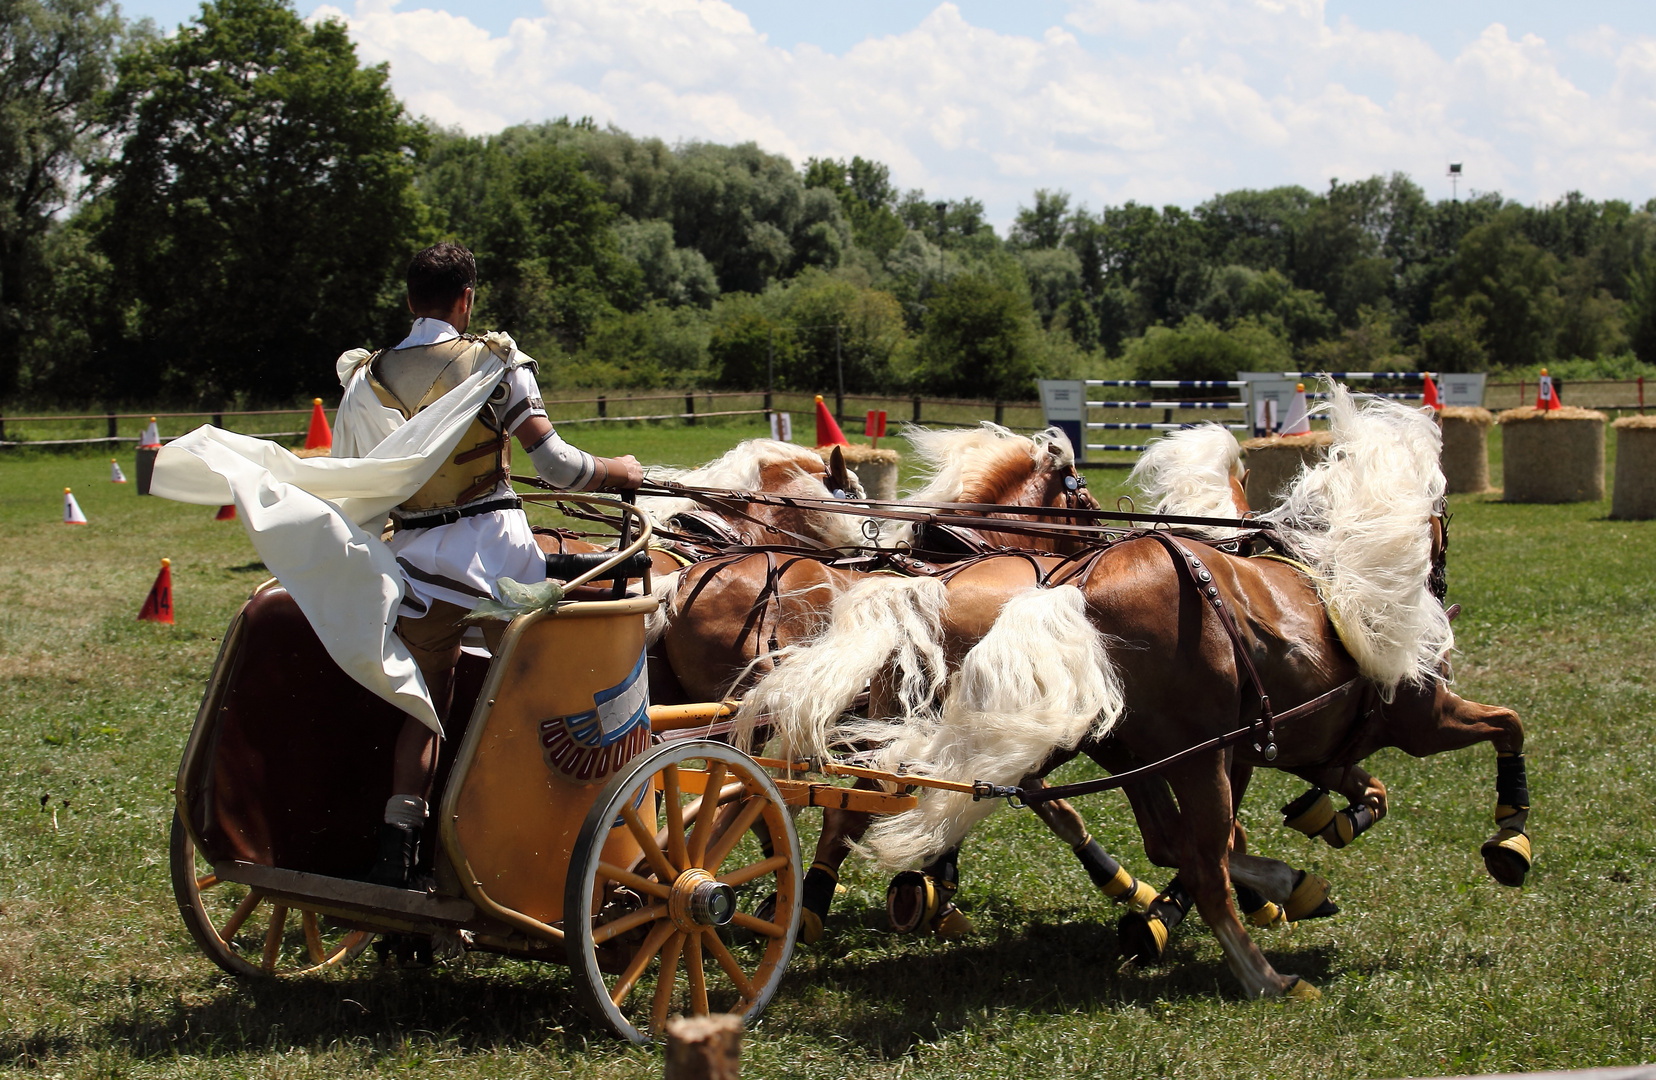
1160	101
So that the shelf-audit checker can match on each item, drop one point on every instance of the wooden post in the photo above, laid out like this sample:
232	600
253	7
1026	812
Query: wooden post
111	418
603	407
916	410
704	1048
218	419
2	427
690	407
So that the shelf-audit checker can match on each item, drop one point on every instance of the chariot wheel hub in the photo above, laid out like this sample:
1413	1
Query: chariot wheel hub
700	900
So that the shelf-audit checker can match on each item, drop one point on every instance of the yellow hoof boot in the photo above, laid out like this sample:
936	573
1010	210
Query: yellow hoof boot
1309	899
1302	991
1268	916
953	924
810	927
1507	857
1142	937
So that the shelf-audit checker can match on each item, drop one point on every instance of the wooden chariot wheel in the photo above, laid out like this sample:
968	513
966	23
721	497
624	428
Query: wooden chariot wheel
705	920
244	932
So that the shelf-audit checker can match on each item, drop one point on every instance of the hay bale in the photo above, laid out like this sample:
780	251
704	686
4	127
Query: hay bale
876	468
1466	447
1552	456
1634	496
1276	460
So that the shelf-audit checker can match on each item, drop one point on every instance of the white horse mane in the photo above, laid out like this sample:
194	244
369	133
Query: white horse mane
741	468
1361	519
1188	473
953	459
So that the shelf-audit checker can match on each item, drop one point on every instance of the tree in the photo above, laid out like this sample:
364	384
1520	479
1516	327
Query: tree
1044	225
1197	349
262	207
980	341
56	56
864	191
1510	284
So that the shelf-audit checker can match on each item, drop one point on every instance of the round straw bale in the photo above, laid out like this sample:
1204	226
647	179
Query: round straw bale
1553	455
876	468
1466	447
1275	461
1634	495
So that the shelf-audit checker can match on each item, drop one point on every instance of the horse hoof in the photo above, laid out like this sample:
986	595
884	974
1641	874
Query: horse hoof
1309	899
810	927
1507	857
1142	938
1300	990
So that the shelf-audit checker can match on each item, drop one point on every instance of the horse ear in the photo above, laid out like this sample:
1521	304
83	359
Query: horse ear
836	471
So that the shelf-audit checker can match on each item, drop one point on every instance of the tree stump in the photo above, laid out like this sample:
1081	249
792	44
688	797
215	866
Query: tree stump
704	1048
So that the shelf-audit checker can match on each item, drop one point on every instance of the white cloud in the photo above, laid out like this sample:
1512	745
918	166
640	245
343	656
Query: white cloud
1160	102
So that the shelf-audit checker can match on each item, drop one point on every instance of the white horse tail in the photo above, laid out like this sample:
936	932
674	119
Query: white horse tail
882	624
1362	521
664	587
1188	473
1039	681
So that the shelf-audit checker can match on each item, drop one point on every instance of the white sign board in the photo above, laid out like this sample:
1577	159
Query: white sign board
1065	403
1461	389
1268	393
781	424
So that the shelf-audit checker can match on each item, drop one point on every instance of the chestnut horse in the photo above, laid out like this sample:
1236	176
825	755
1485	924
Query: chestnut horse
1171	676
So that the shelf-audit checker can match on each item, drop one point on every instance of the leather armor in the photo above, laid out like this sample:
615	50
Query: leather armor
410	379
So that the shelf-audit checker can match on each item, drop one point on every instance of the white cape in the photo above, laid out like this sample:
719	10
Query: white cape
305	516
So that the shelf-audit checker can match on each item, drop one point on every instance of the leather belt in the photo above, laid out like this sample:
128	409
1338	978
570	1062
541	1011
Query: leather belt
430	519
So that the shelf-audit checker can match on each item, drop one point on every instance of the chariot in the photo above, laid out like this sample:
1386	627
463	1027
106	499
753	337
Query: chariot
574	822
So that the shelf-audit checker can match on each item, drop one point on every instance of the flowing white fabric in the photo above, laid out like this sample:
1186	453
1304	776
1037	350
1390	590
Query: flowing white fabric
305	517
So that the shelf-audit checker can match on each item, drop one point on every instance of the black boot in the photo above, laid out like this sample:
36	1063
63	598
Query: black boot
397	849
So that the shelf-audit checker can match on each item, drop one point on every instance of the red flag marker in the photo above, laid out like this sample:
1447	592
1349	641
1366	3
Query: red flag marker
828	432
158	606
227	512
319	436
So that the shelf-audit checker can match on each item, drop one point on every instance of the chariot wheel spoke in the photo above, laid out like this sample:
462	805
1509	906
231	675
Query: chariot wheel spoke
618	926
646	841
633	881
704	821
665	982
313	938
733	833
754	870
731	967
641	960
206	881
239	916
758	925
676	853
697	975
273	937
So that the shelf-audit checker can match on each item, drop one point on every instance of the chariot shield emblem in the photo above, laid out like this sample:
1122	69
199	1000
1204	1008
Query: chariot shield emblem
588	747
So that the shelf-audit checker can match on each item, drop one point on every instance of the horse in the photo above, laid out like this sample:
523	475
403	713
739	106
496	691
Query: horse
1182	646
736	615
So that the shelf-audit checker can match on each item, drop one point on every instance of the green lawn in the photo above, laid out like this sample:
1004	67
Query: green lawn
1430	969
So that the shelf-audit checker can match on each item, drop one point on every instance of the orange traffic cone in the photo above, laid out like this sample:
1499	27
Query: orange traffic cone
1432	401
227	512
71	510
320	436
1546	396
828	432
158	605
151	439
116	476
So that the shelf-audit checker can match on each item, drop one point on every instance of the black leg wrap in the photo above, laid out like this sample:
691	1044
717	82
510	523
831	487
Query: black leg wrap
1247	900
1143	937
1512	782
1097	862
818	894
397	851
1348	825
945	869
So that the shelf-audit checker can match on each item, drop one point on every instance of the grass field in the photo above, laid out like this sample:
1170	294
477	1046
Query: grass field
1431	969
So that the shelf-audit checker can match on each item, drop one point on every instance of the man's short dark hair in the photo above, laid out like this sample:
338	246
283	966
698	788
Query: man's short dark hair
439	275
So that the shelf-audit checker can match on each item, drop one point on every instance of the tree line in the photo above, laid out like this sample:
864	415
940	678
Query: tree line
210	217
